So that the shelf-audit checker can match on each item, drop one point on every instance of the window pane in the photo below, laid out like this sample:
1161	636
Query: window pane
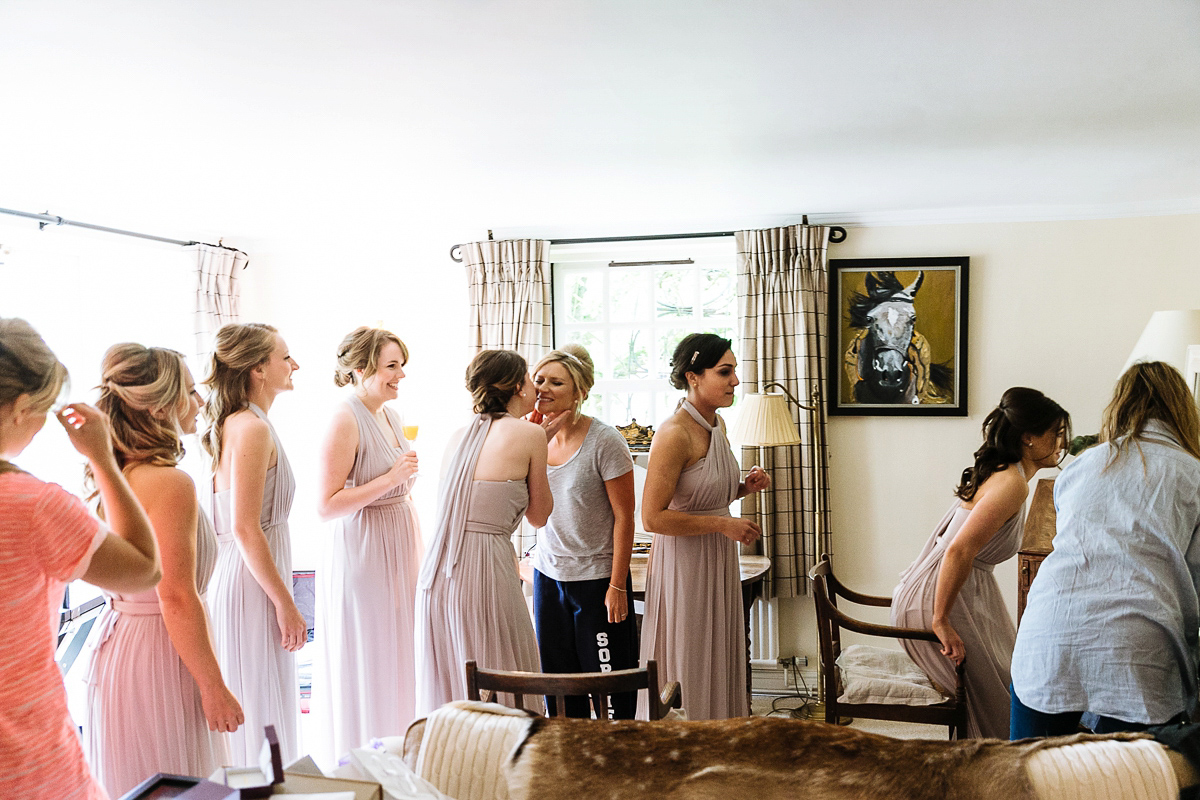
676	292
624	407
665	403
594	405
585	297
629	295
630	353
668	338
720	293
593	343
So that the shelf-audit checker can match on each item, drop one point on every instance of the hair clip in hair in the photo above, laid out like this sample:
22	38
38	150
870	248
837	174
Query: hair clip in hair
694	354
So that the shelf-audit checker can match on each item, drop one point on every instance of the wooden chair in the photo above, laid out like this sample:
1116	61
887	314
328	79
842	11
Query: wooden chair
560	685
830	622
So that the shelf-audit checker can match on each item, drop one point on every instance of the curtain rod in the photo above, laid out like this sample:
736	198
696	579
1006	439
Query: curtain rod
51	219
837	234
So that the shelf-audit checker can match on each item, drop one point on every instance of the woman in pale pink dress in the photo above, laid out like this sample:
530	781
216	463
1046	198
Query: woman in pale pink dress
256	624
156	699
950	588
364	683
694	624
469	599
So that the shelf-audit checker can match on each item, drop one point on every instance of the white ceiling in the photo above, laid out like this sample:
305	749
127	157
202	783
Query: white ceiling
557	115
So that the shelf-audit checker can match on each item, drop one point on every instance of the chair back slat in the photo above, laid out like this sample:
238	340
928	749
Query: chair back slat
595	686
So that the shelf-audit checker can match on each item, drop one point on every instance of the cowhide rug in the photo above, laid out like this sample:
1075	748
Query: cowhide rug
762	758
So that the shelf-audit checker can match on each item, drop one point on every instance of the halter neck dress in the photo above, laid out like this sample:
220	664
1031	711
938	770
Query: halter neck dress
694	625
364	683
979	615
144	711
469	599
259	672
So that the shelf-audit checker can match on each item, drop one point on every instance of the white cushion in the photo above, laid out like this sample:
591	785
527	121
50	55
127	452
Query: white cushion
464	746
878	675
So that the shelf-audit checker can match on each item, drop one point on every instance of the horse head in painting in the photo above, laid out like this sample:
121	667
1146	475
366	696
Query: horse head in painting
889	360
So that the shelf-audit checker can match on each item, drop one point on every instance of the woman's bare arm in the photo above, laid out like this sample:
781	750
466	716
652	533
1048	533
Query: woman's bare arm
249	448
337	460
169	497
670	452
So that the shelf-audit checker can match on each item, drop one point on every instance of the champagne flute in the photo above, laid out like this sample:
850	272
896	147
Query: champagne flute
410	433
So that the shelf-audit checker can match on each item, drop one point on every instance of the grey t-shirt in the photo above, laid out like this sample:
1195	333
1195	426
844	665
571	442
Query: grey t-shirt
577	542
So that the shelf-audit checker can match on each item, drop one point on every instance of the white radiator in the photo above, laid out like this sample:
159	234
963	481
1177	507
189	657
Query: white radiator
764	630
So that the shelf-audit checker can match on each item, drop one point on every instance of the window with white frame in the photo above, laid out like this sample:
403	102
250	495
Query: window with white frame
629	303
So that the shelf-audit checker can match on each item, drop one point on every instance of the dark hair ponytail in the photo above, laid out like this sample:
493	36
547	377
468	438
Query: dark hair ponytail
1021	411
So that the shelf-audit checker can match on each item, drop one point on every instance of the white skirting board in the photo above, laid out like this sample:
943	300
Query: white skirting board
770	677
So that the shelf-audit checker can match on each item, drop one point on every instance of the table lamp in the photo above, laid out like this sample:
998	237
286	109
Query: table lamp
765	420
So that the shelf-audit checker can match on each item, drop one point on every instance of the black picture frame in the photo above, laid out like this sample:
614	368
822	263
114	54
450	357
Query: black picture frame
868	374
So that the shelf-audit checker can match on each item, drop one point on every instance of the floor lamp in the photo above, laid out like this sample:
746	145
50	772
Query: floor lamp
766	421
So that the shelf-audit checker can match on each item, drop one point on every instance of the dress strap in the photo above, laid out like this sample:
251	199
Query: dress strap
691	409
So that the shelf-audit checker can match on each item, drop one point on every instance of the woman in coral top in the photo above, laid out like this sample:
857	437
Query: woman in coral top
47	539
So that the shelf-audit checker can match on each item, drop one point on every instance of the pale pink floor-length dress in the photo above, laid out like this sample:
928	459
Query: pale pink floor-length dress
979	615
694	624
259	672
144	711
364	682
469	599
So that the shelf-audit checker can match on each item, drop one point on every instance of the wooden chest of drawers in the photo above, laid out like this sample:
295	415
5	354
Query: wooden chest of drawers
1038	540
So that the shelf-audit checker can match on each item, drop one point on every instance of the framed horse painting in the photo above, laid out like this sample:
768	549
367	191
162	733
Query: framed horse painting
898	336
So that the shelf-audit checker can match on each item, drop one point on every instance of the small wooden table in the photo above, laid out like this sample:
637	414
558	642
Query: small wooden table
753	570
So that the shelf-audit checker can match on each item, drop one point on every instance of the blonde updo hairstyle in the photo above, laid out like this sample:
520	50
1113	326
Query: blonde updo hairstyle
493	377
143	391
239	349
360	350
27	366
576	360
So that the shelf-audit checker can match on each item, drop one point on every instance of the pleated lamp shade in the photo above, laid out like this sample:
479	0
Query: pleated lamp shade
764	421
1167	337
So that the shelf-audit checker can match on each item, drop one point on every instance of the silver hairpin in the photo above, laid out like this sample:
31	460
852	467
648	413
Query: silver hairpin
694	354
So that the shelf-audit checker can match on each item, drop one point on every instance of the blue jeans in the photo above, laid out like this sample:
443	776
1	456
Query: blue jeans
1025	722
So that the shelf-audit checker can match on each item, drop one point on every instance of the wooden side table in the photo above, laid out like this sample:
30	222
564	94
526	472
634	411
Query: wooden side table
1038	540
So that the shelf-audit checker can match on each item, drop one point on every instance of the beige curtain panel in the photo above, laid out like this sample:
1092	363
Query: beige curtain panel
511	309
217	297
511	304
783	286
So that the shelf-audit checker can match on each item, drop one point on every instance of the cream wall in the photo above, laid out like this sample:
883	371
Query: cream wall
1053	305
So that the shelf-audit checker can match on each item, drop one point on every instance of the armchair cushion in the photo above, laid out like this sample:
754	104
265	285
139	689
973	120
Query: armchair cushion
878	675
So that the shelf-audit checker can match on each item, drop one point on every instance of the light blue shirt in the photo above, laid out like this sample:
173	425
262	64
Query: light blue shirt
1112	621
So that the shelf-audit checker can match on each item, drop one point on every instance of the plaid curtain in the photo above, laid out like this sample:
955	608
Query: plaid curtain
217	298
783	280
511	303
511	309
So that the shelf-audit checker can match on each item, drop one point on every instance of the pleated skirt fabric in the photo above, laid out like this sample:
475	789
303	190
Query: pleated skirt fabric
478	612
694	624
364	680
260	673
144	709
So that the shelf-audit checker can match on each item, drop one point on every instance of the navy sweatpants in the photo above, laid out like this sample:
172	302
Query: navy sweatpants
574	635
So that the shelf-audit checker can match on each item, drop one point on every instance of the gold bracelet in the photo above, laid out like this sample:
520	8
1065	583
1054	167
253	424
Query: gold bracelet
618	588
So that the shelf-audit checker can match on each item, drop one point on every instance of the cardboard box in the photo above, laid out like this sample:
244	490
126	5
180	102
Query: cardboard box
301	783
180	787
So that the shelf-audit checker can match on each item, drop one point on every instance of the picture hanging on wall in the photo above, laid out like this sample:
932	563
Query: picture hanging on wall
898	336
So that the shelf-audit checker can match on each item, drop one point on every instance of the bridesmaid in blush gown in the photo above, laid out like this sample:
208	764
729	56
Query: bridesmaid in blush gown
156	699
694	625
256	624
364	684
469	599
950	588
